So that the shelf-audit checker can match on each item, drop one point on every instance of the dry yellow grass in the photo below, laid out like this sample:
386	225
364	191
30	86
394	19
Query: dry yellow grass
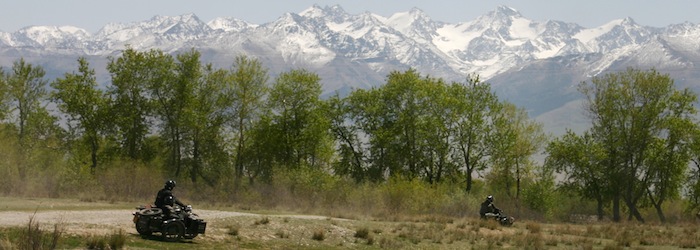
274	230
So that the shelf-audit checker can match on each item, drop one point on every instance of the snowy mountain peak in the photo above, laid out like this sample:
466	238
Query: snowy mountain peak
288	18
628	21
500	18
189	19
334	14
503	11
53	31
230	24
314	11
410	17
48	35
415	24
418	13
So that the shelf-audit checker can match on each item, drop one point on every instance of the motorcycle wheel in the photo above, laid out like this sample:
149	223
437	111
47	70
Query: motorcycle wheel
142	228
173	231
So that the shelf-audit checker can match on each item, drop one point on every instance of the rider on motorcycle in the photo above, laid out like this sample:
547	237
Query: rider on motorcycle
166	196
488	209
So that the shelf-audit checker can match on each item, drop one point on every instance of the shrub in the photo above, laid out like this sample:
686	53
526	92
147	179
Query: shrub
410	196
233	230
370	240
5	243
96	242
282	234
318	235
33	237
263	221
533	227
362	233
117	239
130	179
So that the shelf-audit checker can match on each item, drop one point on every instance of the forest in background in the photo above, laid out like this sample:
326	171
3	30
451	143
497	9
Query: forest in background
415	145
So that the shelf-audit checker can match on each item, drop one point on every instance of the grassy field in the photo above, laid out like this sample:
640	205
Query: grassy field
276	230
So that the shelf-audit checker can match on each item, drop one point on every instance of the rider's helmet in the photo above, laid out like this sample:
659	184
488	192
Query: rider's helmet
170	184
489	198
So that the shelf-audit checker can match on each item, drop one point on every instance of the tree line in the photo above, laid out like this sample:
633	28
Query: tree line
213	125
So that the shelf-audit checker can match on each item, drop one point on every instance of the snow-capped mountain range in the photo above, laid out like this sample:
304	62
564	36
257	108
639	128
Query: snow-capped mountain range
535	64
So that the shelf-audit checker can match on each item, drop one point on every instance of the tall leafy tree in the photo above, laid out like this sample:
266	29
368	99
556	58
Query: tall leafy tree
27	88
669	155
209	157
248	86
435	132
170	87
4	98
403	98
473	111
366	110
692	185
640	120
408	126
187	96
299	117
26	96
394	118
262	153
350	150
418	127
131	73
516	140
579	159
77	95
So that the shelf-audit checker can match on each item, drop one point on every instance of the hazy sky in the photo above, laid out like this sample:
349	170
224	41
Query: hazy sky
94	14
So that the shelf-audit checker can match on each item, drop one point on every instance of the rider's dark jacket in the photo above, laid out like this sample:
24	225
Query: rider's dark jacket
163	195
487	207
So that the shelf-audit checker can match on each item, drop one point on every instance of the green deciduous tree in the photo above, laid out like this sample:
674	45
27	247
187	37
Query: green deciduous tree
299	116
366	110
670	154
473	109
131	72
395	119
421	127
692	185
26	88
644	126
77	96
4	98
36	128
209	157
350	150
580	159
516	140
168	87
247	86
186	97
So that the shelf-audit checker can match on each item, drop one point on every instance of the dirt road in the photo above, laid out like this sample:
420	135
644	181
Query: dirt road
98	222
